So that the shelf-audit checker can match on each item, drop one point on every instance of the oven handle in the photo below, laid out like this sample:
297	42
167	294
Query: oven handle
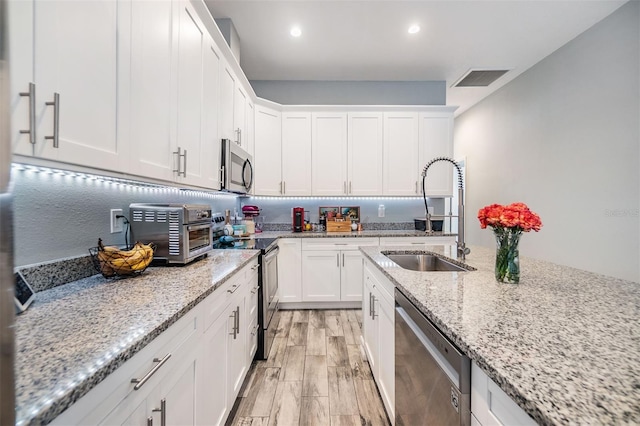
271	254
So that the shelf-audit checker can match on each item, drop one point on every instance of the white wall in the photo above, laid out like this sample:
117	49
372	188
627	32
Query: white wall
564	138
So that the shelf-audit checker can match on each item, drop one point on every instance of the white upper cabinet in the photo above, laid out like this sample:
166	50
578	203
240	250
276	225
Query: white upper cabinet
149	111
401	141
72	48
212	147
365	154
268	157
296	153
436	140
20	20
227	95
240	100
329	153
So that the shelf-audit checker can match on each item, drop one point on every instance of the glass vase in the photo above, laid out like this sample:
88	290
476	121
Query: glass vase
507	255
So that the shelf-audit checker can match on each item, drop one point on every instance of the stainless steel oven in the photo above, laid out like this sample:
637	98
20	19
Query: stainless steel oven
270	301
236	168
181	232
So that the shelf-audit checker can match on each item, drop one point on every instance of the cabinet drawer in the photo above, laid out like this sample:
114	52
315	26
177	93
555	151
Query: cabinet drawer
217	302
416	241
337	243
386	287
177	340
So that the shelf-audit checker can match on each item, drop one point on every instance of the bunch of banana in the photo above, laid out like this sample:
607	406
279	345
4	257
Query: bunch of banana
113	260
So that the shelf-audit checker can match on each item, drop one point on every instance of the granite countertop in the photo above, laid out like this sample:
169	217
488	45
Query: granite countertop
355	234
563	343
59	360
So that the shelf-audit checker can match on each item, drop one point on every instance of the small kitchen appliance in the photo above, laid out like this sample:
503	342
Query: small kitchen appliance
236	168
181	232
298	219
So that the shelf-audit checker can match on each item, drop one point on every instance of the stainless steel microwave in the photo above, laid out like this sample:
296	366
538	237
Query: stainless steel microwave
237	168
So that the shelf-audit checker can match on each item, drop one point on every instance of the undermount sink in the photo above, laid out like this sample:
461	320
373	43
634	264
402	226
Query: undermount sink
424	262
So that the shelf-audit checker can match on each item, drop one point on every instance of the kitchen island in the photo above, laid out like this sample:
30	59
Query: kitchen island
75	335
564	344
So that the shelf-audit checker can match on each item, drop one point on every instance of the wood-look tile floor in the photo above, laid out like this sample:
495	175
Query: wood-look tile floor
315	375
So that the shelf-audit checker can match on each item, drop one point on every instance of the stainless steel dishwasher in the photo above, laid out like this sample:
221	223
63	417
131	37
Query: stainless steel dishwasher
433	378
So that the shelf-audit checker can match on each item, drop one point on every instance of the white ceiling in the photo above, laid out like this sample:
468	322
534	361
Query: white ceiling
367	40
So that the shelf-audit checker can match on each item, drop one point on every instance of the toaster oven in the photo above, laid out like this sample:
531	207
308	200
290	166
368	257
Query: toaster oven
181	232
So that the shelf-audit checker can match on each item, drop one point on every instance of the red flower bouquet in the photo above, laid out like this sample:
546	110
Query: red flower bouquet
508	223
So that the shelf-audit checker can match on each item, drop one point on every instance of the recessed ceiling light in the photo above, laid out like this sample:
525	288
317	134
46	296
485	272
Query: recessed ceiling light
414	29
296	31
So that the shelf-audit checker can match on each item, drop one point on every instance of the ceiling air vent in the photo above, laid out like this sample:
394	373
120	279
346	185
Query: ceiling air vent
479	78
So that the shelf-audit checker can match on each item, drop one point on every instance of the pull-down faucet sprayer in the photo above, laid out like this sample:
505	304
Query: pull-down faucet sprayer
462	249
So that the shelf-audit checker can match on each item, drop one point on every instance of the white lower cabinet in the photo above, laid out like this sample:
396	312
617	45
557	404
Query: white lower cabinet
193	370
332	269
290	270
491	406
378	323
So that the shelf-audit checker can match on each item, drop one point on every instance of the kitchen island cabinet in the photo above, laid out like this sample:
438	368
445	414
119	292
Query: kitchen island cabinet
560	344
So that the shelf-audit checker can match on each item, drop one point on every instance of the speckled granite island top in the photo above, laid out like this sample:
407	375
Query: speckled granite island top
563	343
76	334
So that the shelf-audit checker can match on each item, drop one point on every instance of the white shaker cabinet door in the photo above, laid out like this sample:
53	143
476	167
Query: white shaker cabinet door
290	270
267	159
20	21
227	99
329	154
191	41
150	108
321	276
436	140
351	276
365	154
296	153
76	57
401	154
212	147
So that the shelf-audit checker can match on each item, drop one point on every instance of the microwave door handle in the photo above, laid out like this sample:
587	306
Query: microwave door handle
247	185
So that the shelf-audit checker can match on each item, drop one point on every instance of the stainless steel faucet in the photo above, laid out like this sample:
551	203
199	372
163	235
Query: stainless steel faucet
462	248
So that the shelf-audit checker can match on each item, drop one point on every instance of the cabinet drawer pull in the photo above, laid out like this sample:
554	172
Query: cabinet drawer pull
255	330
255	289
233	289
56	120
31	94
163	412
254	267
160	362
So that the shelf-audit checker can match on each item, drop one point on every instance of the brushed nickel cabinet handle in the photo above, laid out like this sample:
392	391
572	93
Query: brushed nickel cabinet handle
184	157
163	412
373	305
160	362
31	94
56	120
343	260
350	191
149	421
238	320
344	187
338	260
234	333
284	187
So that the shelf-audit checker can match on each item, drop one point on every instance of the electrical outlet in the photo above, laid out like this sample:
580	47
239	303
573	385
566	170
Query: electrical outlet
117	223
